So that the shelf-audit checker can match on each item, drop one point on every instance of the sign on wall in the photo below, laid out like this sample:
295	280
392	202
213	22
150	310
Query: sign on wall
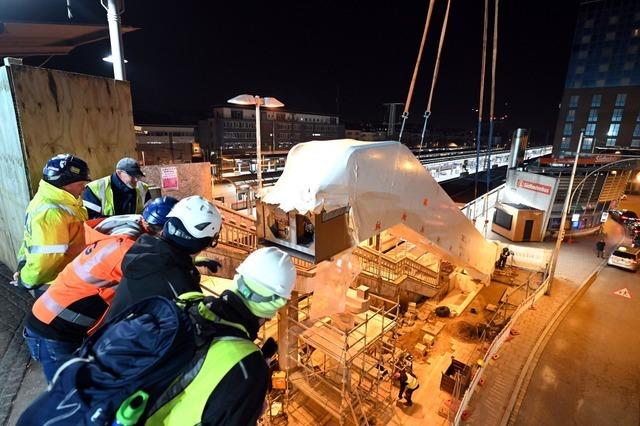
533	186
169	178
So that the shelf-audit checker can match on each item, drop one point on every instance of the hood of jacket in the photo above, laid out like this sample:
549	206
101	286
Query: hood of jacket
48	193
150	255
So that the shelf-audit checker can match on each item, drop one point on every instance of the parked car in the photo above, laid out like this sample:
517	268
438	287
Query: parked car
622	216
625	257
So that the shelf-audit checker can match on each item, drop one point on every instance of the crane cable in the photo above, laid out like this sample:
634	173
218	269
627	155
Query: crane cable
436	68
407	104
491	112
481	101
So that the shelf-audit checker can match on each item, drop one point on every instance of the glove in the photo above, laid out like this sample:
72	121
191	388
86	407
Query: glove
269	348
211	264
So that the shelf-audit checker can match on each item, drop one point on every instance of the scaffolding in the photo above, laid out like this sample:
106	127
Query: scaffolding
344	362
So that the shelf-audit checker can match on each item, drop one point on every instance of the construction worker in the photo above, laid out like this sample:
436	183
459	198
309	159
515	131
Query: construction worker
164	266
227	383
77	300
408	385
53	233
119	193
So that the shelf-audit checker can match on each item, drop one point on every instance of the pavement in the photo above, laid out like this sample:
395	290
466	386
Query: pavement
492	402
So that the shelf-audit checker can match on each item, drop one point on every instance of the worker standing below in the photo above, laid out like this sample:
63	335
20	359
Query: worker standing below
600	245
53	234
164	266
76	302
408	385
119	193
228	382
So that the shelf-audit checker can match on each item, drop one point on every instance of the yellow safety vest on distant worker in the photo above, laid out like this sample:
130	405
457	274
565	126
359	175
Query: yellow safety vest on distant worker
53	234
412	382
101	188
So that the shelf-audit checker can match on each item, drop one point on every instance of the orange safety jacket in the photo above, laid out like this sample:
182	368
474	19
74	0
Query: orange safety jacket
95	271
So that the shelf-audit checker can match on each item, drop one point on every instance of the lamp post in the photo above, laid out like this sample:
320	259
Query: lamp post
114	9
258	102
563	220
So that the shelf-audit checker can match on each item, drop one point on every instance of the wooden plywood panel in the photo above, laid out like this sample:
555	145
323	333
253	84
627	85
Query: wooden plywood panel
88	116
193	179
14	189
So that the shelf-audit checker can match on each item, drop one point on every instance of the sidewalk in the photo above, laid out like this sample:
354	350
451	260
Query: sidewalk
576	262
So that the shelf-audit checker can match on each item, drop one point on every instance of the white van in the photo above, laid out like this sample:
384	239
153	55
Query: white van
625	257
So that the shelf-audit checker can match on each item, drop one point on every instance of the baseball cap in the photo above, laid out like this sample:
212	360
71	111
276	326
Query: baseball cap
130	166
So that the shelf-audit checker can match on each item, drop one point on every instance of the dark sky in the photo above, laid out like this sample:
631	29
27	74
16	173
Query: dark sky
320	56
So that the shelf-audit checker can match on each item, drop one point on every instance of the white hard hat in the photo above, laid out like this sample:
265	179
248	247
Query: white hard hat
199	217
272	269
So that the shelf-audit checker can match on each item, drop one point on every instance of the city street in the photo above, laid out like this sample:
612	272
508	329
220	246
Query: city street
588	372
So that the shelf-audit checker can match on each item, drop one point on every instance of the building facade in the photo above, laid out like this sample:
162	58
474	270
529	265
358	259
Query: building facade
602	88
166	144
233	129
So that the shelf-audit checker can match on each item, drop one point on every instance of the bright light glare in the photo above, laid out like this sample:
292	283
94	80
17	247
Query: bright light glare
110	59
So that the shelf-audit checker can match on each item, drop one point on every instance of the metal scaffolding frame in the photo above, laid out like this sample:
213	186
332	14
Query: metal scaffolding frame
349	373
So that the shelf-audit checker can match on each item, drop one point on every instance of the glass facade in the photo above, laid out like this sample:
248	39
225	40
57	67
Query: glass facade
606	45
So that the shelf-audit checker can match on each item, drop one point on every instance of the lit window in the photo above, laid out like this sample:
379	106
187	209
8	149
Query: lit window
617	115
636	32
635	143
573	101
571	115
580	69
588	23
593	115
566	143
628	66
587	144
603	67
621	99
590	129
582	54
613	20
636	131
596	100
568	129
585	39
610	36
611	141
613	129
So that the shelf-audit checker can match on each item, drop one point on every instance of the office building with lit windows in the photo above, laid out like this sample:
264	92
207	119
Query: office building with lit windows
602	89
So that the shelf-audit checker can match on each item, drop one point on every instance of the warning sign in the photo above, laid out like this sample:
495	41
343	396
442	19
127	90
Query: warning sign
169	177
623	292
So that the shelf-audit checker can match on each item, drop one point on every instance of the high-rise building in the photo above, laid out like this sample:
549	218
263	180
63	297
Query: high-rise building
602	89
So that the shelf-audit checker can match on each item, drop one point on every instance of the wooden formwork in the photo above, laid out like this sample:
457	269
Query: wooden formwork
45	112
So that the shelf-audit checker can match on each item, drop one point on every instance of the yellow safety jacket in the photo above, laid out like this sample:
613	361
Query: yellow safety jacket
53	234
412	381
101	188
185	400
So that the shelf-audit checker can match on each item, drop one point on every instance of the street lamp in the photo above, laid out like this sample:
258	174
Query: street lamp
258	102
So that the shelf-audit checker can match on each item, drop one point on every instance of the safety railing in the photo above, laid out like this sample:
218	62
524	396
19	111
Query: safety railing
476	209
238	230
389	269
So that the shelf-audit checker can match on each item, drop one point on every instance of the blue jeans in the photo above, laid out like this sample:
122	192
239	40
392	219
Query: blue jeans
48	352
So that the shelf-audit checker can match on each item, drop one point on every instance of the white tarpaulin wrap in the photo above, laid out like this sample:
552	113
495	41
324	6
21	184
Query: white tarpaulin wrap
384	184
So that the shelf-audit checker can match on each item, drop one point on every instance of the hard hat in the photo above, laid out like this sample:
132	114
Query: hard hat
270	268
193	224
64	169
156	210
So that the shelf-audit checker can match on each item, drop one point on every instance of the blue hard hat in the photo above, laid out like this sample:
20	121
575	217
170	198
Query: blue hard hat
157	210
64	169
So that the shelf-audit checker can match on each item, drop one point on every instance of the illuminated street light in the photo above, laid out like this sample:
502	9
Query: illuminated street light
110	59
258	102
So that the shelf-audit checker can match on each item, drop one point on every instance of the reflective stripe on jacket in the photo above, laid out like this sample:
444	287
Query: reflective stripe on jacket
53	234
95	272
184	402
101	188
412	382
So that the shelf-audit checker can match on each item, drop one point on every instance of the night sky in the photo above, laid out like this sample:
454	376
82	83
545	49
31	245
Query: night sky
332	56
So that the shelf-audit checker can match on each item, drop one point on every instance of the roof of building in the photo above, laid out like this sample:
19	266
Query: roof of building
36	39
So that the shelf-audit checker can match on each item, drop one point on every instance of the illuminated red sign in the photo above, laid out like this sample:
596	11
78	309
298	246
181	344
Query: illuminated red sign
533	186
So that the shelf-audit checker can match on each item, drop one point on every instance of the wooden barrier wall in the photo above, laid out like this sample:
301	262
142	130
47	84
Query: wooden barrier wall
46	112
193	179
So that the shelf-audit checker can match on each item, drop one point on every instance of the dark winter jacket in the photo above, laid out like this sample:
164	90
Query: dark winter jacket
153	267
